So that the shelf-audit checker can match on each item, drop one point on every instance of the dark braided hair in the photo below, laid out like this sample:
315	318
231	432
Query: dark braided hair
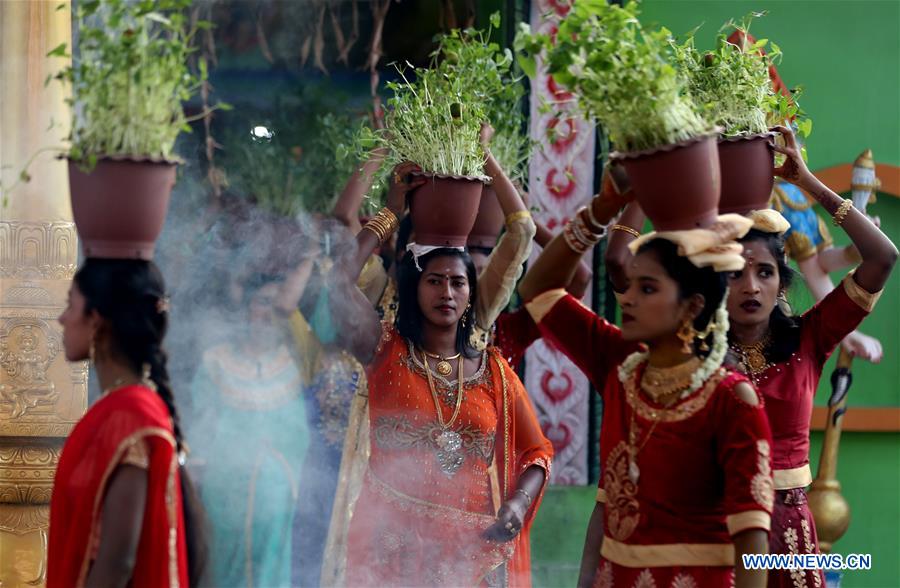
130	295
784	328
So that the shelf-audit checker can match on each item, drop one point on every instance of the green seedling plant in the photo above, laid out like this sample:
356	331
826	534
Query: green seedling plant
621	74
488	76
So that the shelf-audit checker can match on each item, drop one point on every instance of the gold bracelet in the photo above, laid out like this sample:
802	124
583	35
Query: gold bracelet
518	215
391	220
383	224
841	213
626	229
377	230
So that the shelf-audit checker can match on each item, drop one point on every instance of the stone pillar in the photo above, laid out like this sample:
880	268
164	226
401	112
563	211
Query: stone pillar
41	395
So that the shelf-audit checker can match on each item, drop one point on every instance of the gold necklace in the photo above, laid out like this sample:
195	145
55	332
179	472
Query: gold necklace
634	472
443	366
659	382
753	356
449	443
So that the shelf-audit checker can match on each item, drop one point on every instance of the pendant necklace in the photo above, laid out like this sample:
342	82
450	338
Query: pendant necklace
443	366
449	442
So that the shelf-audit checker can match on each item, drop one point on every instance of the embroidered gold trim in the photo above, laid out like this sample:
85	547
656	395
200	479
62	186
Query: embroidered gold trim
863	298
137	455
622	507
543	303
798	576
517	216
800	477
667	554
110	468
601	495
506	403
761	486
679	412
400	433
750	519
427	509
171	505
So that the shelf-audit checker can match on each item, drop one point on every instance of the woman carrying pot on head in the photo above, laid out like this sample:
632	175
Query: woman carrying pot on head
497	275
784	355
123	512
684	444
458	461
253	431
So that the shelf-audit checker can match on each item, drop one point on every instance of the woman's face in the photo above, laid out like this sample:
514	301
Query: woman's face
262	306
753	291
651	306
444	291
78	327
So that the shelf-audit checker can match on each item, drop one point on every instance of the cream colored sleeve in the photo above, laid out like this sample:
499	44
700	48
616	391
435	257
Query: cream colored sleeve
373	279
498	280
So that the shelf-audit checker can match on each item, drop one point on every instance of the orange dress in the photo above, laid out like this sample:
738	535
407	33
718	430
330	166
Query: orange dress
425	504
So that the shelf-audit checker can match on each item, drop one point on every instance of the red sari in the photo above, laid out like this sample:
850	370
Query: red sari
704	464
788	388
128	426
421	511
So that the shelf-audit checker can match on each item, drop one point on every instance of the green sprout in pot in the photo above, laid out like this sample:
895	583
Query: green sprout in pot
731	85
487	75
431	121
621	74
130	78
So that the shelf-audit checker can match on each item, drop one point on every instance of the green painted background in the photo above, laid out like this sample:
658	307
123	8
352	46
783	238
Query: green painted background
846	55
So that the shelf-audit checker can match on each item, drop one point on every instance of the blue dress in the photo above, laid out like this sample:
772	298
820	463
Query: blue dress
249	441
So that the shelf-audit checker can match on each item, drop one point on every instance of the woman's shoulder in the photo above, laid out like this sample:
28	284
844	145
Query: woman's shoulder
135	406
735	389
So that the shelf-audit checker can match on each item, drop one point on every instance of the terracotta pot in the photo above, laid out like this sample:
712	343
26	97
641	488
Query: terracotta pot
120	206
488	222
443	210
747	165
677	185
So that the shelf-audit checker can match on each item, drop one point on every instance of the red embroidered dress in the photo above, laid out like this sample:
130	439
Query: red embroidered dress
424	505
128	426
515	332
704	464
788	389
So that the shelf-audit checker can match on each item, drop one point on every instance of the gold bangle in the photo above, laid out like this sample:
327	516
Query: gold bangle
391	220
517	215
626	229
376	230
841	213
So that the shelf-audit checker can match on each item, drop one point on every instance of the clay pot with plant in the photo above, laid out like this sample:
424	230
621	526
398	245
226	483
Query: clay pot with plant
128	83
730	86
429	125
613	65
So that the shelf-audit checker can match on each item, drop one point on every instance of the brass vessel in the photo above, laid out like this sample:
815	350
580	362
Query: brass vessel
828	506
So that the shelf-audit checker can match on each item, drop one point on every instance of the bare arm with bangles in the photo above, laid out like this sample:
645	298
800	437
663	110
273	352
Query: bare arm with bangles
617	257
878	253
581	281
386	221
556	266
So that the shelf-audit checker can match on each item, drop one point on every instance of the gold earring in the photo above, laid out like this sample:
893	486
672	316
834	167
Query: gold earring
687	332
465	317
92	351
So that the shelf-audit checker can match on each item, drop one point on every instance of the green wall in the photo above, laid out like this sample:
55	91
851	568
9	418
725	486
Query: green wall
843	53
846	55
